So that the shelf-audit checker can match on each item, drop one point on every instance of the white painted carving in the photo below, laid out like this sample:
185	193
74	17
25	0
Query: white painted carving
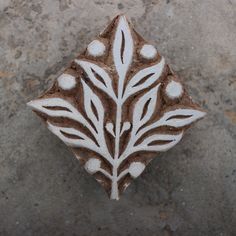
96	48
126	126
123	47
136	169
110	128
148	51
92	165
66	81
149	99
144	118
136	83
174	89
93	70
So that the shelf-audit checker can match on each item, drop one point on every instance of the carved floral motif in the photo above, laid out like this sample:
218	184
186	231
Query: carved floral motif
115	106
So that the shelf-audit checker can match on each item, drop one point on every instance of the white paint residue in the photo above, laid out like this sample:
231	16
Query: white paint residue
66	81
78	157
174	89
136	168
96	48
92	165
126	185
148	51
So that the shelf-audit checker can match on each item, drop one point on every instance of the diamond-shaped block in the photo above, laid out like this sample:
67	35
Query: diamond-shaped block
117	105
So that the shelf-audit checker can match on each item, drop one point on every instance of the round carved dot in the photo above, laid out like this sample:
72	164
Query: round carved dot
92	165
66	81
174	89
96	48
136	168
148	51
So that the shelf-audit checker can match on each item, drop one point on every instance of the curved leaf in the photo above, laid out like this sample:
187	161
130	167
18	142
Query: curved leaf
79	139
144	78
180	117
177	118
57	107
145	107
122	48
165	142
93	106
94	71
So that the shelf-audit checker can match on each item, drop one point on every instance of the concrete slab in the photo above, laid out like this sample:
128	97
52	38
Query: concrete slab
188	191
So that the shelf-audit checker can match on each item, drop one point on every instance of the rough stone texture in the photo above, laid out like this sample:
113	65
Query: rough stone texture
188	191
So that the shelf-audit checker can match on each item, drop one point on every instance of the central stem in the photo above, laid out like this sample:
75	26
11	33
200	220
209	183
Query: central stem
114	186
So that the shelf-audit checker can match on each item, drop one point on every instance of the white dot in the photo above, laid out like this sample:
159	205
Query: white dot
92	165
96	48
148	51
174	89
66	81
136	168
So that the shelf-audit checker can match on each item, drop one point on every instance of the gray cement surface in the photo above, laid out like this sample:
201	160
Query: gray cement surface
187	191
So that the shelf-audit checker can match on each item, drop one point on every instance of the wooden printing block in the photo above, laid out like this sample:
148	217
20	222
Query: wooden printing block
117	105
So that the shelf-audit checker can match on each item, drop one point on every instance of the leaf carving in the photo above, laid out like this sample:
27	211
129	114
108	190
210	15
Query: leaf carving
84	141
93	106
148	101
168	142
177	118
58	107
93	71
122	48
138	83
64	108
180	117
79	139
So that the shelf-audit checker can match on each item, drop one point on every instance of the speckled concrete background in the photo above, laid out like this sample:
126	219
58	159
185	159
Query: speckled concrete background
188	191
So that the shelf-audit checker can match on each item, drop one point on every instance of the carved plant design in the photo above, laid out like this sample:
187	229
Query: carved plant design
116	105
